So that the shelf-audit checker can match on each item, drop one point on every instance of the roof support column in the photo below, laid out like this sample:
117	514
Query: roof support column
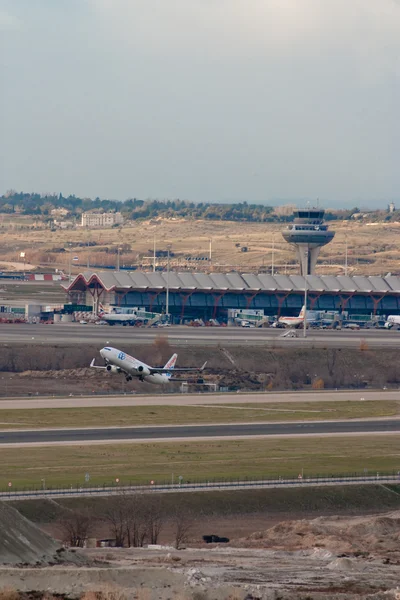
184	298
250	298
281	299
313	297
376	301
153	297
217	299
345	299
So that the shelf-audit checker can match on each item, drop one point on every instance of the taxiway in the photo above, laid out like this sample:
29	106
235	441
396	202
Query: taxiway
74	333
198	399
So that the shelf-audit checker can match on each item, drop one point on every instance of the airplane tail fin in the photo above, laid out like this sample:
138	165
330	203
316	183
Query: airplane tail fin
302	312
101	310
171	363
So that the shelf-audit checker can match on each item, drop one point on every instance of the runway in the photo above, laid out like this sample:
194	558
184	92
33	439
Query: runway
196	432
74	333
198	399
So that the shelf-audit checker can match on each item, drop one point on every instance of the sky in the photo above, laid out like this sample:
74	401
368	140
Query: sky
268	101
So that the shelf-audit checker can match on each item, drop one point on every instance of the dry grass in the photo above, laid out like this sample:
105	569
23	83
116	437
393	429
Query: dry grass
372	249
9	593
120	416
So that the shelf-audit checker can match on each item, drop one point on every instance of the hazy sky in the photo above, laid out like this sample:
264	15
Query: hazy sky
208	100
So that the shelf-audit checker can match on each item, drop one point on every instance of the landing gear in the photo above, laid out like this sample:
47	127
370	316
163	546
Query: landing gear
128	378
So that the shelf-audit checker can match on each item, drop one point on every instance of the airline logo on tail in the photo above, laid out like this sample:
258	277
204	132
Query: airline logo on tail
171	364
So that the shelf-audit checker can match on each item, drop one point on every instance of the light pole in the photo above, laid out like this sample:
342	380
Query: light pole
167	297
273	256
88	255
69	268
118	257
305	307
345	264
154	254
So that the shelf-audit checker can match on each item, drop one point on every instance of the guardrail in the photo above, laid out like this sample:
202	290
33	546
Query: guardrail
117	489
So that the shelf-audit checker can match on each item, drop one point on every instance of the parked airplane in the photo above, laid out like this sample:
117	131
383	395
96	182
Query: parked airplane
131	316
291	321
392	321
119	362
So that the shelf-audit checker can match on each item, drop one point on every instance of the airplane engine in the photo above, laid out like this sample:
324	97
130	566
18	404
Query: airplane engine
143	371
113	369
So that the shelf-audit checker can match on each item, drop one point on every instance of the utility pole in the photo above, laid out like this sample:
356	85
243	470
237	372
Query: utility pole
154	254
118	258
167	298
273	257
345	264
69	269
210	258
305	307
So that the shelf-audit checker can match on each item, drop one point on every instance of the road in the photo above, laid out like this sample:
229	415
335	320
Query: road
195	432
198	399
73	333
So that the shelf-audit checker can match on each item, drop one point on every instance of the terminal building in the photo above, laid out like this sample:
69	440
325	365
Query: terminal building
210	296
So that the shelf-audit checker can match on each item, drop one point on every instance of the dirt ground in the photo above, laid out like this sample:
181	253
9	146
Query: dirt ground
372	247
336	557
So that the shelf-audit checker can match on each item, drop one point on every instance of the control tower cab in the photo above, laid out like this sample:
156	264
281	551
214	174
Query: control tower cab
308	233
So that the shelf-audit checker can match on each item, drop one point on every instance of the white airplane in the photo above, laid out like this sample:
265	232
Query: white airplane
120	362
292	321
392	321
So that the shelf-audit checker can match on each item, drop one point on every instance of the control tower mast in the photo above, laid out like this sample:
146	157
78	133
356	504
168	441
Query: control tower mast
308	233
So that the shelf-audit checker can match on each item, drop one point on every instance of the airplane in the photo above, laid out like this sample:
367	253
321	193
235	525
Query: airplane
291	321
130	317
391	321
120	362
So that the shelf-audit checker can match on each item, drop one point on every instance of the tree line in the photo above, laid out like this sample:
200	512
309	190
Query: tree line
41	205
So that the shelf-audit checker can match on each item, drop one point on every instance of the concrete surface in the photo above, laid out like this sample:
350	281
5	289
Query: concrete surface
75	333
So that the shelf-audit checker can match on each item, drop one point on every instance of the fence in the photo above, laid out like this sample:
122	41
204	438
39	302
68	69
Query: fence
179	486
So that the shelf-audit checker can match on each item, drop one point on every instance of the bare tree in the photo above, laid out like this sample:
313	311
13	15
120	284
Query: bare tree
76	526
154	519
136	529
182	520
116	515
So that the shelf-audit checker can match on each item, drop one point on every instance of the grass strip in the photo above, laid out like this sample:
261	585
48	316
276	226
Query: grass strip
119	416
197	461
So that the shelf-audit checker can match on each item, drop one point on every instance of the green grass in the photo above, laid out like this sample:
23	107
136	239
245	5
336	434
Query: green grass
197	461
179	415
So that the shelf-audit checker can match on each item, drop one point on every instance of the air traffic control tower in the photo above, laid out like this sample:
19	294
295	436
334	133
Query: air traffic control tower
308	233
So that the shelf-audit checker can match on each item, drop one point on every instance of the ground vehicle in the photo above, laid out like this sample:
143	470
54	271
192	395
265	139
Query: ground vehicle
212	539
353	326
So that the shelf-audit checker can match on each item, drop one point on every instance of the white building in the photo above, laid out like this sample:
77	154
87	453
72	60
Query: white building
90	219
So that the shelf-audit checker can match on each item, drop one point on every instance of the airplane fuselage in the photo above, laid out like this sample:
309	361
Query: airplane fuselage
119	361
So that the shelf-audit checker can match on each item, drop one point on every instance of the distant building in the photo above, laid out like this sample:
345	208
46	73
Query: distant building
59	212
392	207
63	224
90	219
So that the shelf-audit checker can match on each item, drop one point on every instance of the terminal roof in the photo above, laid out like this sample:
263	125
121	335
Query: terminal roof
234	282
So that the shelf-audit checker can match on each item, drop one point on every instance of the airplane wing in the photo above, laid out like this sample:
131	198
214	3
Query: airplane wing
96	366
177	370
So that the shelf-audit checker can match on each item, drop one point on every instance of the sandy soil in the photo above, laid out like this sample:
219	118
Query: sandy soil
372	248
327	557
